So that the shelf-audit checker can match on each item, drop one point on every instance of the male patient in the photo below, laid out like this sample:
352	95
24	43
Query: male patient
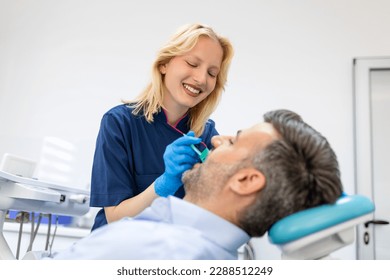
248	182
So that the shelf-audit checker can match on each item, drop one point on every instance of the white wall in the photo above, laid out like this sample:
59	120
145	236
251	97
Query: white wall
64	63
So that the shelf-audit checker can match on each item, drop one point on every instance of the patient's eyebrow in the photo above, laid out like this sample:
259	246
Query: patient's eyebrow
237	134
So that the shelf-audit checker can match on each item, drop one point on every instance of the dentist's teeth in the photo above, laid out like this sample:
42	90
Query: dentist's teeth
196	91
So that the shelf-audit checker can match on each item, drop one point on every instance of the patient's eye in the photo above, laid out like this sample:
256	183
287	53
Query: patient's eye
234	140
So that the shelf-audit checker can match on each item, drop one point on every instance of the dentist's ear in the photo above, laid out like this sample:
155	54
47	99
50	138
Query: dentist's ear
247	181
163	69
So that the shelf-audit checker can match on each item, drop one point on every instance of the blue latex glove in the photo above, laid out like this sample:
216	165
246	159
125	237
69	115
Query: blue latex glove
178	157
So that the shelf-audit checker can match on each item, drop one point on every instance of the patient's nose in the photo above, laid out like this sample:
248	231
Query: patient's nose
216	141
219	140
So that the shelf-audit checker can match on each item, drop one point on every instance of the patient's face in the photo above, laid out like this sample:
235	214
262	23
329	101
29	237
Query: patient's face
228	153
234	149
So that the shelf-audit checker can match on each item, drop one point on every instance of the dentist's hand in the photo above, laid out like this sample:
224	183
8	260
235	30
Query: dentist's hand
178	157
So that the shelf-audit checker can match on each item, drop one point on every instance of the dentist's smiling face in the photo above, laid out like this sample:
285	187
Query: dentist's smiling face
191	77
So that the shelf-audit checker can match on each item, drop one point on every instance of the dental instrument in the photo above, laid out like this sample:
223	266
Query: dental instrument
202	155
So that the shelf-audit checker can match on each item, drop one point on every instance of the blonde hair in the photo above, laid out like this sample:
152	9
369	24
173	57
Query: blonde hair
150	100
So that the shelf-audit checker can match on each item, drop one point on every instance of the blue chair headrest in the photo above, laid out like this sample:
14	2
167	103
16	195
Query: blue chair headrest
312	220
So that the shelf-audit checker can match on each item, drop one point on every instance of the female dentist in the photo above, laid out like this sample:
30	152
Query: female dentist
144	145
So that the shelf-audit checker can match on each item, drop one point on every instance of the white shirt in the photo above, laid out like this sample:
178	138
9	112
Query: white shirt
170	228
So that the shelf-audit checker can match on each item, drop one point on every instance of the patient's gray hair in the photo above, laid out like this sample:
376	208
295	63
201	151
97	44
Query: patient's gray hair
301	171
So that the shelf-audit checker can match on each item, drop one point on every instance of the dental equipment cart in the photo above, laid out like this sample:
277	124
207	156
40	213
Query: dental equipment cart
30	195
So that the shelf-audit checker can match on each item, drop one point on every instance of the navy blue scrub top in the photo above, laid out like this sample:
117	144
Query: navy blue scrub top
129	155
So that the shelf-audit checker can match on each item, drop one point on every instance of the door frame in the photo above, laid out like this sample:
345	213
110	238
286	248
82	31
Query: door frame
362	68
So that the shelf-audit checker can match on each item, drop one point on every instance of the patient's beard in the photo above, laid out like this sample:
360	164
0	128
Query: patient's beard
201	182
194	181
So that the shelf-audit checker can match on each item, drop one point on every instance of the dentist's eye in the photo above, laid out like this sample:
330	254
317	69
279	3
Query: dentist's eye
191	64
212	75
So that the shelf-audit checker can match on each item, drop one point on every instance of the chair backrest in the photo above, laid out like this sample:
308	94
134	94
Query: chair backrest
299	234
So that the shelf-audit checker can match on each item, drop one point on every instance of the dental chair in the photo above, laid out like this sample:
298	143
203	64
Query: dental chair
317	232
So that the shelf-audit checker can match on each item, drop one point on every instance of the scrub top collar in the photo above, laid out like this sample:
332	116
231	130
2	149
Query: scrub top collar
181	124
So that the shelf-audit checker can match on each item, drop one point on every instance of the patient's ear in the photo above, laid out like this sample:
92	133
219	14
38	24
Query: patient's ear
247	181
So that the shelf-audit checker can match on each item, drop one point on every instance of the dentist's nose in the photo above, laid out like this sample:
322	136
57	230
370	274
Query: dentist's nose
200	77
